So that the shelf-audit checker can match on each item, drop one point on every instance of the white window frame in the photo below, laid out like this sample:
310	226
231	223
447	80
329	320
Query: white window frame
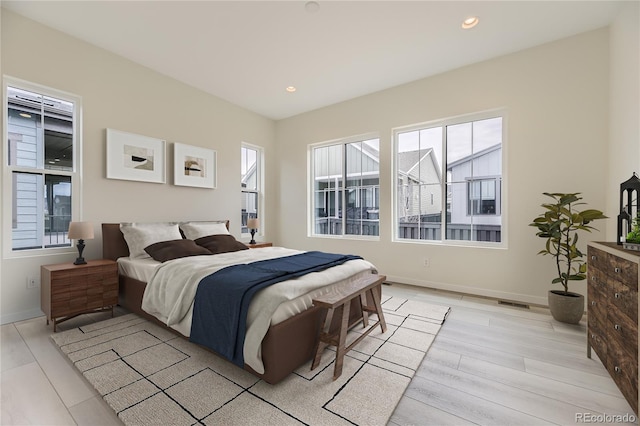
260	189
7	174
311	189
466	118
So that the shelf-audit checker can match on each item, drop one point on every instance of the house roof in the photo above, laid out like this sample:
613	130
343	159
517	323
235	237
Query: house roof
474	155
409	161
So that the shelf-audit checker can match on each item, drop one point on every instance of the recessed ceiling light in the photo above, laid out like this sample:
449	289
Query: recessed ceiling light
312	6
470	22
291	89
25	115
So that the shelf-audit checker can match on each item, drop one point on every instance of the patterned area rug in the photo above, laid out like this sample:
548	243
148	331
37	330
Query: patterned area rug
150	376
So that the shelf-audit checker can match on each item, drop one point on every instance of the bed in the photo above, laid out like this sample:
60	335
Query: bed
286	345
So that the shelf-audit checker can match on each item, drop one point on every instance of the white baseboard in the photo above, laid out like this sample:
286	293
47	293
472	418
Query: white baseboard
20	316
495	294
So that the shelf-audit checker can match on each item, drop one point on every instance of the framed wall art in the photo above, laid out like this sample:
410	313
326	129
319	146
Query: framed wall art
135	157
194	166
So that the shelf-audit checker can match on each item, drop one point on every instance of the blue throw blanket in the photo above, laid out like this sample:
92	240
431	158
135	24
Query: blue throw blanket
222	299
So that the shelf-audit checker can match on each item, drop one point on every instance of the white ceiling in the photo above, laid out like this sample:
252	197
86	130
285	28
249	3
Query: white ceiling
248	52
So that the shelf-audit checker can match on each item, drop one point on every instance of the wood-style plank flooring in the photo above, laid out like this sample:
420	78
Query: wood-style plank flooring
494	364
489	365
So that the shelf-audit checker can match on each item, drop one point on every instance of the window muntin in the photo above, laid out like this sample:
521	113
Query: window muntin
40	145
346	188
251	181
460	200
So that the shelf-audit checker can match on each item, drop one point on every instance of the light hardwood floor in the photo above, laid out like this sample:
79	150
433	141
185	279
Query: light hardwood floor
490	365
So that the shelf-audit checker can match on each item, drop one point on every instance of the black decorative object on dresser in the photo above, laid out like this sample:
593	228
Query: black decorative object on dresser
628	210
612	293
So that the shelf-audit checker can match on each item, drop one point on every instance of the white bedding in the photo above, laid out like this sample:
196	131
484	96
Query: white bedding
140	269
172	286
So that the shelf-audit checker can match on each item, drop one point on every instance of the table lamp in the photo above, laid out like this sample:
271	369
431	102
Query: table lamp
253	225
80	231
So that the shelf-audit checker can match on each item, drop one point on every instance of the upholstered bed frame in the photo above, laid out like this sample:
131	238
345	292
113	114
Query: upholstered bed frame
286	346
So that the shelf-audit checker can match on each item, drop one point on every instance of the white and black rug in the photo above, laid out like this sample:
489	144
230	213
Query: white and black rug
150	376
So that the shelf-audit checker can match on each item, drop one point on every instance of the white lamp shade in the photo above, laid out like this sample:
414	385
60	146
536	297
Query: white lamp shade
253	223
80	230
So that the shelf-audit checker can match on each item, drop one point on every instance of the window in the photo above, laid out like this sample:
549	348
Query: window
449	176
251	181
40	168
482	197
346	187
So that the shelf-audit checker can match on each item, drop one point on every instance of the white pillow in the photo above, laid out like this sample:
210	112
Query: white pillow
140	235
195	230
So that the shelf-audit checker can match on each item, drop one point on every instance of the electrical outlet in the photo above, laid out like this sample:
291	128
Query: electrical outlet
32	282
427	262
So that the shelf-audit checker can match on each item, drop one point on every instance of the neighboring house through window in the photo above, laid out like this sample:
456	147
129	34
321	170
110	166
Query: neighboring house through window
449	179
346	187
251	183
41	179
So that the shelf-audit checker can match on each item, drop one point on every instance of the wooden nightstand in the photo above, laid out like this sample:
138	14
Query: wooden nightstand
258	244
68	290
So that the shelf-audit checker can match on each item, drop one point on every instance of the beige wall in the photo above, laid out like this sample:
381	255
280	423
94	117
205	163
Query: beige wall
119	94
558	109
624	139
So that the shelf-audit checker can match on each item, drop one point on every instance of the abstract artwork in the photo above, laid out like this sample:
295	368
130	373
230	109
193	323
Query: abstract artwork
194	166
135	157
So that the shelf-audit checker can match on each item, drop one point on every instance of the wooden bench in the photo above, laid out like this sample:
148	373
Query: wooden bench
340	298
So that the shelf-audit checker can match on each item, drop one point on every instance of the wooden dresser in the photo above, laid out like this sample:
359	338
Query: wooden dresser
612	294
68	290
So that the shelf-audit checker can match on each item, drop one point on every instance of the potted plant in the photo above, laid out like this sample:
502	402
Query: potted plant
559	226
632	241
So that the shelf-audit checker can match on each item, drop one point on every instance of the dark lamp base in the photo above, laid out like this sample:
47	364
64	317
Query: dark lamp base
80	260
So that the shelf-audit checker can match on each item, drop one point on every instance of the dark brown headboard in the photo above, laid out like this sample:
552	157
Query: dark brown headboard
113	242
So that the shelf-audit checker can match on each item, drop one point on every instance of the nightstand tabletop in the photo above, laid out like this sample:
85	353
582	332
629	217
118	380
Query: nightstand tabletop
259	244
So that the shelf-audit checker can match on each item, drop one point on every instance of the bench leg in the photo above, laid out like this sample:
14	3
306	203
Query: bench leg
320	344
365	314
376	302
342	340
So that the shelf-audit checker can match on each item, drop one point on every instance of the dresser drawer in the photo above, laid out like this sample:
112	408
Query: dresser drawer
623	300
623	332
597	278
598	342
624	371
623	271
597	306
597	258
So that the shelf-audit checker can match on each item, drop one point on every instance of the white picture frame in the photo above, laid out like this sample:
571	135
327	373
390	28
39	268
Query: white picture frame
194	166
135	157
